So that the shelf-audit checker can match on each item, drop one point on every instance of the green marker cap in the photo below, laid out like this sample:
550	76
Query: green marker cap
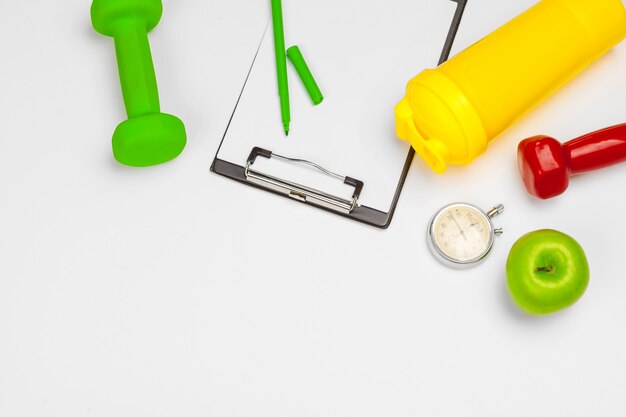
295	56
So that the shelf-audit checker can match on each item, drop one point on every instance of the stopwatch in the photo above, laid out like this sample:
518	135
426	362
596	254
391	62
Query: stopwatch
461	235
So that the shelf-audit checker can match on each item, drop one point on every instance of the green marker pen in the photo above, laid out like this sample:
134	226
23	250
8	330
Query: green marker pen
281	63
304	72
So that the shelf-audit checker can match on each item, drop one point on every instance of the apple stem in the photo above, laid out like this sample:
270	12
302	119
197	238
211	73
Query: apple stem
547	269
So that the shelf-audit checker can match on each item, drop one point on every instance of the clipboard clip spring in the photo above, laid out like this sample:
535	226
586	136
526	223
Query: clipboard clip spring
300	192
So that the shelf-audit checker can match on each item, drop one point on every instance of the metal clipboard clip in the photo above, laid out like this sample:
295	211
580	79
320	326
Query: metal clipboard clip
300	192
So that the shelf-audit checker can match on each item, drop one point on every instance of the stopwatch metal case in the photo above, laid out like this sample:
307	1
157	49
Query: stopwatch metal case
455	263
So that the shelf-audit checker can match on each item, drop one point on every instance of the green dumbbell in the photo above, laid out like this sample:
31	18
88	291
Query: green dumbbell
148	137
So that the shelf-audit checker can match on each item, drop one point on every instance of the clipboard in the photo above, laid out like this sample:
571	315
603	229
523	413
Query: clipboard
343	155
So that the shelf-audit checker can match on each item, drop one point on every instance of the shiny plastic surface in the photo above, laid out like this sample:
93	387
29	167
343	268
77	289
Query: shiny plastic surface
450	114
546	165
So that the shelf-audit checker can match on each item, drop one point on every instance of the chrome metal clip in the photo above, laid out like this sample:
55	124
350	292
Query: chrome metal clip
300	192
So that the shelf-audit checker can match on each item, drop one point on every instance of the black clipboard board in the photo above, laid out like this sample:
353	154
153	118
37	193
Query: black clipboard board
347	207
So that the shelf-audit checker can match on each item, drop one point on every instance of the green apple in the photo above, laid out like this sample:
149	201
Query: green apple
546	271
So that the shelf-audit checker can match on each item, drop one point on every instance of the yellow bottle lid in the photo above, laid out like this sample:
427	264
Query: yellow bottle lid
439	121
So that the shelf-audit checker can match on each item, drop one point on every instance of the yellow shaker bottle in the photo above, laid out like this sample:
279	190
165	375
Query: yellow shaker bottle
451	113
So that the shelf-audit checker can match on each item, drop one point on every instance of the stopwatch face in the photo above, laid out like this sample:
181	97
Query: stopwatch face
461	234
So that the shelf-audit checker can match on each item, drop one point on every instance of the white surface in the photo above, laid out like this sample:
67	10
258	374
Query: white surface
159	292
352	133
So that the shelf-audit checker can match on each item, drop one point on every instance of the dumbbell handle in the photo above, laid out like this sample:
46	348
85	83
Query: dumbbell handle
134	60
597	150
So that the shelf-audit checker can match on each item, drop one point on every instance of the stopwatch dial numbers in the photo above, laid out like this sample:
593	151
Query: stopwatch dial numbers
462	233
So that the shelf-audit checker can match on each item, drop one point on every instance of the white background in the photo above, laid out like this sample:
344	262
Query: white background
170	291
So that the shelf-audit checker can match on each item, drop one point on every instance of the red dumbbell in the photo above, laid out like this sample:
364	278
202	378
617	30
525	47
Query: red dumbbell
546	164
